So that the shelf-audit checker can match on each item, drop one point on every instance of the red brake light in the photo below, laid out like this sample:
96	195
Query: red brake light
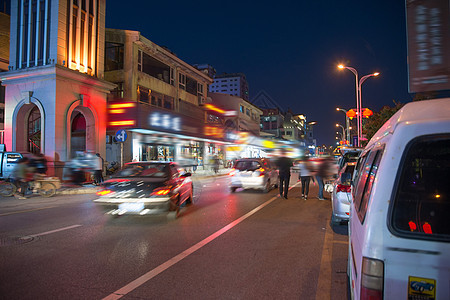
161	192
343	188
262	172
104	192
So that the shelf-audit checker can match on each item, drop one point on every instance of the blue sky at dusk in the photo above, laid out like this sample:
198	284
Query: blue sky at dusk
290	49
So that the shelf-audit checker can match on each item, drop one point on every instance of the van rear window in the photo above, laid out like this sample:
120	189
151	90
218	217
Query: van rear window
421	205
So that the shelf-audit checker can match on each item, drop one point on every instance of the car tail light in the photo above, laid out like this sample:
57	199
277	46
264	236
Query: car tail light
372	279
103	192
160	192
343	188
262	172
232	172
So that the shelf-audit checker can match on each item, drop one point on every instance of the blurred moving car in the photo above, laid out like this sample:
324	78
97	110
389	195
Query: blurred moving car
341	196
147	188
254	173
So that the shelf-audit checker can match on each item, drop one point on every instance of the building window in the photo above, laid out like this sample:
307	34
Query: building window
143	94
153	67
247	112
200	89
113	56
241	109
191	85
182	81
34	131
118	91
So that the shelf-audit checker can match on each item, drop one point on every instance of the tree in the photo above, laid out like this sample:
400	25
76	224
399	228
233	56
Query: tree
377	120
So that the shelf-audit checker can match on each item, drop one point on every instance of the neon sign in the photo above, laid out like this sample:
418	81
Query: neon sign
165	121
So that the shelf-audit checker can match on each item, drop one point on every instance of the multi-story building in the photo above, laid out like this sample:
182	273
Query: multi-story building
55	93
232	84
163	98
4	64
245	117
272	121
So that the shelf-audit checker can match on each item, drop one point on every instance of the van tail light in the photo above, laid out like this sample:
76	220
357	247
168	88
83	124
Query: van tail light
343	188
232	172
372	279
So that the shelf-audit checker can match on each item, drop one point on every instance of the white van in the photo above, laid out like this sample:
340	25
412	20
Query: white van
399	229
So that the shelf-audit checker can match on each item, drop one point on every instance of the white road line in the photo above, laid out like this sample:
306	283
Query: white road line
161	268
323	290
53	231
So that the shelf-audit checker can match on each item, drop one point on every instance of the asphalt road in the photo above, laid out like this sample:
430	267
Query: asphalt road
243	245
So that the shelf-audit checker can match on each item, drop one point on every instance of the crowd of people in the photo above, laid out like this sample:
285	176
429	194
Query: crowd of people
308	171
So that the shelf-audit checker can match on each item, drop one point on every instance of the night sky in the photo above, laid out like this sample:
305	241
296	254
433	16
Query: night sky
290	49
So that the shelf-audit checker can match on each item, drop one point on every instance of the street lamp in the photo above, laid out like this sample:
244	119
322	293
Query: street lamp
358	97
343	130
347	122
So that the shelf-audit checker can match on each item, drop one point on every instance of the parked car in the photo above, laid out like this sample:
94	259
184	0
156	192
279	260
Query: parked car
8	161
146	188
399	227
341	196
253	173
349	156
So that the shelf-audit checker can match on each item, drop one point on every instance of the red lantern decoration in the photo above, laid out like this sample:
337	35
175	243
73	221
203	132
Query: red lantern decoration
351	114
367	113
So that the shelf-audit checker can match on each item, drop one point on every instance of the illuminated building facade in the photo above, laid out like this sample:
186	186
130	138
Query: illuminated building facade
55	93
159	100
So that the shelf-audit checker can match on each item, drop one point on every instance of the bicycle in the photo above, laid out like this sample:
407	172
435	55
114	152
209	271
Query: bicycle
42	187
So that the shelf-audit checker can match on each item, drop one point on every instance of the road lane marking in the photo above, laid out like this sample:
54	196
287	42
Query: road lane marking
164	266
323	290
24	211
53	231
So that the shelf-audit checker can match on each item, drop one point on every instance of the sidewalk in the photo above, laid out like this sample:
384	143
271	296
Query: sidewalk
89	188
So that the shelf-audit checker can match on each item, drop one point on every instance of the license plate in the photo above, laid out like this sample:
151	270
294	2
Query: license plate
131	207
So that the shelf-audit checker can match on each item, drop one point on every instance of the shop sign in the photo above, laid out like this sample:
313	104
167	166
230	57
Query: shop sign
165	121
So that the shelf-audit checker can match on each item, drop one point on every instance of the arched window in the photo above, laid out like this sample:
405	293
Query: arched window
34	131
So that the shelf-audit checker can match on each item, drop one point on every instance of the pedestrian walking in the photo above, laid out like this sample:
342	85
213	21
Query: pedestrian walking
322	173
284	164
98	170
305	177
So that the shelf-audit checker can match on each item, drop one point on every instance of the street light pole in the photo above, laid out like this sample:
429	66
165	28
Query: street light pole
343	130
364	78
347	122
358	98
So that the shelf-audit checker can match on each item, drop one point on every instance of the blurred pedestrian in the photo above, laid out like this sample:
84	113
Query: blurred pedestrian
284	164
98	169
322	173
305	177
21	176
40	164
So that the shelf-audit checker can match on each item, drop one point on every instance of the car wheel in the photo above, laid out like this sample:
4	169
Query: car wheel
267	187
233	189
190	199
